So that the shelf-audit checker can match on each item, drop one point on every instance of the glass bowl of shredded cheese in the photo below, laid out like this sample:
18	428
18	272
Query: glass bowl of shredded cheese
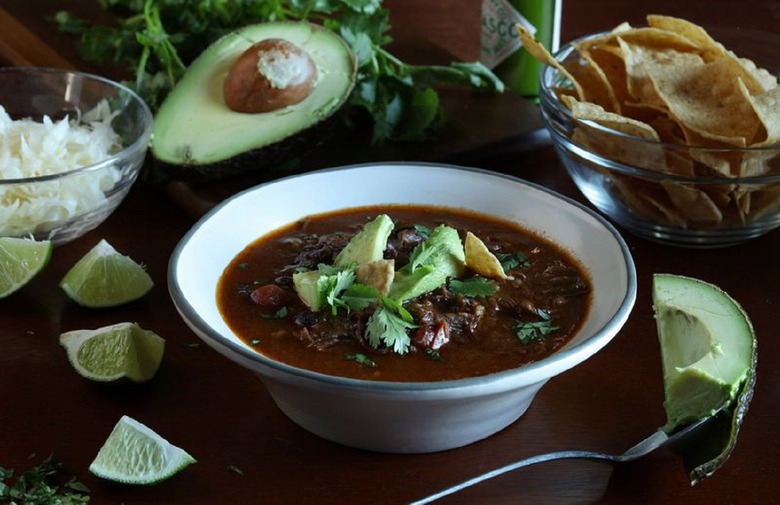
71	147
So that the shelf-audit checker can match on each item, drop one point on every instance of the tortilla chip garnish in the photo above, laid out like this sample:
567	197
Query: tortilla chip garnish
480	259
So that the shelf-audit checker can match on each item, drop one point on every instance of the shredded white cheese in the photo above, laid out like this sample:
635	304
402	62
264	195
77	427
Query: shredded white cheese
30	148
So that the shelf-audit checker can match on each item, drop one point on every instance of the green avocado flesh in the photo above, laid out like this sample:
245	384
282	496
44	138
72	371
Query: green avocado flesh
368	245
707	347
440	256
195	131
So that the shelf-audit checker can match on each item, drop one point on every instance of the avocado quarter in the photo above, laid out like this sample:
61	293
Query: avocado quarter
707	347
196	136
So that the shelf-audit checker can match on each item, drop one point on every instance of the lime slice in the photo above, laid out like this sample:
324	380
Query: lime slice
20	260
135	454
117	352
105	278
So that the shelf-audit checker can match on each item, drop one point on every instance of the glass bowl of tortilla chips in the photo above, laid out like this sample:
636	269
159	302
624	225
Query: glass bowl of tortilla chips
672	133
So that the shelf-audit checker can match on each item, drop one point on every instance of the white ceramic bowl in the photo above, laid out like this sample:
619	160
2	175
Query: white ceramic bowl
377	415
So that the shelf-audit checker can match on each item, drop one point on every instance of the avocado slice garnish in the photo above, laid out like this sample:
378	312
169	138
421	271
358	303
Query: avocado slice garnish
368	244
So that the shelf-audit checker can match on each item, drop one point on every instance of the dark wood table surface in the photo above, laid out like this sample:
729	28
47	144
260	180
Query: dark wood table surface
223	416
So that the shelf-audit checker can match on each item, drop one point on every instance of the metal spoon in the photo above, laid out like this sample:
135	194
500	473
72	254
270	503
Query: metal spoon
655	441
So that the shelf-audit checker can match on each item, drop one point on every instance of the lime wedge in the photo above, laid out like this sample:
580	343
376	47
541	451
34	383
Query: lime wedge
20	260
105	278
117	352
135	454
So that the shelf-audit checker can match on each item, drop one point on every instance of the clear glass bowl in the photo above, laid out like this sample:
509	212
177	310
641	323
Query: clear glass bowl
64	205
641	184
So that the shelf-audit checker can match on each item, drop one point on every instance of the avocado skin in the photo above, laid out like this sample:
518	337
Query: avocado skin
265	156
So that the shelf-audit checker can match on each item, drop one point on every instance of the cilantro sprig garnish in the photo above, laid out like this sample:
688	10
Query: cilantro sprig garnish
388	325
390	320
332	283
156	39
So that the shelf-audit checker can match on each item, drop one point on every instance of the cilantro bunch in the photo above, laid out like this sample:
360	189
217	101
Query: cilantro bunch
156	40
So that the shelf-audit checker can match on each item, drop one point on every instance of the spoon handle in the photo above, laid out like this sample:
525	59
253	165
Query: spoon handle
540	458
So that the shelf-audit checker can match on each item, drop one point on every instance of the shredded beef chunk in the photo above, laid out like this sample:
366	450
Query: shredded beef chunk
460	314
401	244
322	330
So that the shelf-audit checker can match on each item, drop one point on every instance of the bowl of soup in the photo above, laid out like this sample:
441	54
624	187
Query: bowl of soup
370	298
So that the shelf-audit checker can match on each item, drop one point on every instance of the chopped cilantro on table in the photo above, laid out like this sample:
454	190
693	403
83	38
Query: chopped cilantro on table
41	485
155	40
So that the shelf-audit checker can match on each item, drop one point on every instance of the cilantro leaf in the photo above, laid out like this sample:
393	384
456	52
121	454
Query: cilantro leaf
279	314
361	359
530	331
434	355
331	283
473	286
386	327
399	309
512	260
359	296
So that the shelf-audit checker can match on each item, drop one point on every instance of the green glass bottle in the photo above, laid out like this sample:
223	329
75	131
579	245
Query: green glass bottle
501	46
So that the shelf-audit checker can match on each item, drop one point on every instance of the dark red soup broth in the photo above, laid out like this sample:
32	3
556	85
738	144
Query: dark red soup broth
549	291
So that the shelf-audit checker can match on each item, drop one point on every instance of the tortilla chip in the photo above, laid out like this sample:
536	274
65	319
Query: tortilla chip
756	79
706	99
538	51
710	48
595	85
692	202
767	107
613	66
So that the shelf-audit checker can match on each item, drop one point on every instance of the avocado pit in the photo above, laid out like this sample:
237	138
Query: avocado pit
271	74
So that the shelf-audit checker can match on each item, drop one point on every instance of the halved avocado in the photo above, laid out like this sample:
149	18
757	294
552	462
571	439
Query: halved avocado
197	136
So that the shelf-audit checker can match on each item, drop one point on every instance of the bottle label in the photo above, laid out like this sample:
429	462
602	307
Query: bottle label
499	37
